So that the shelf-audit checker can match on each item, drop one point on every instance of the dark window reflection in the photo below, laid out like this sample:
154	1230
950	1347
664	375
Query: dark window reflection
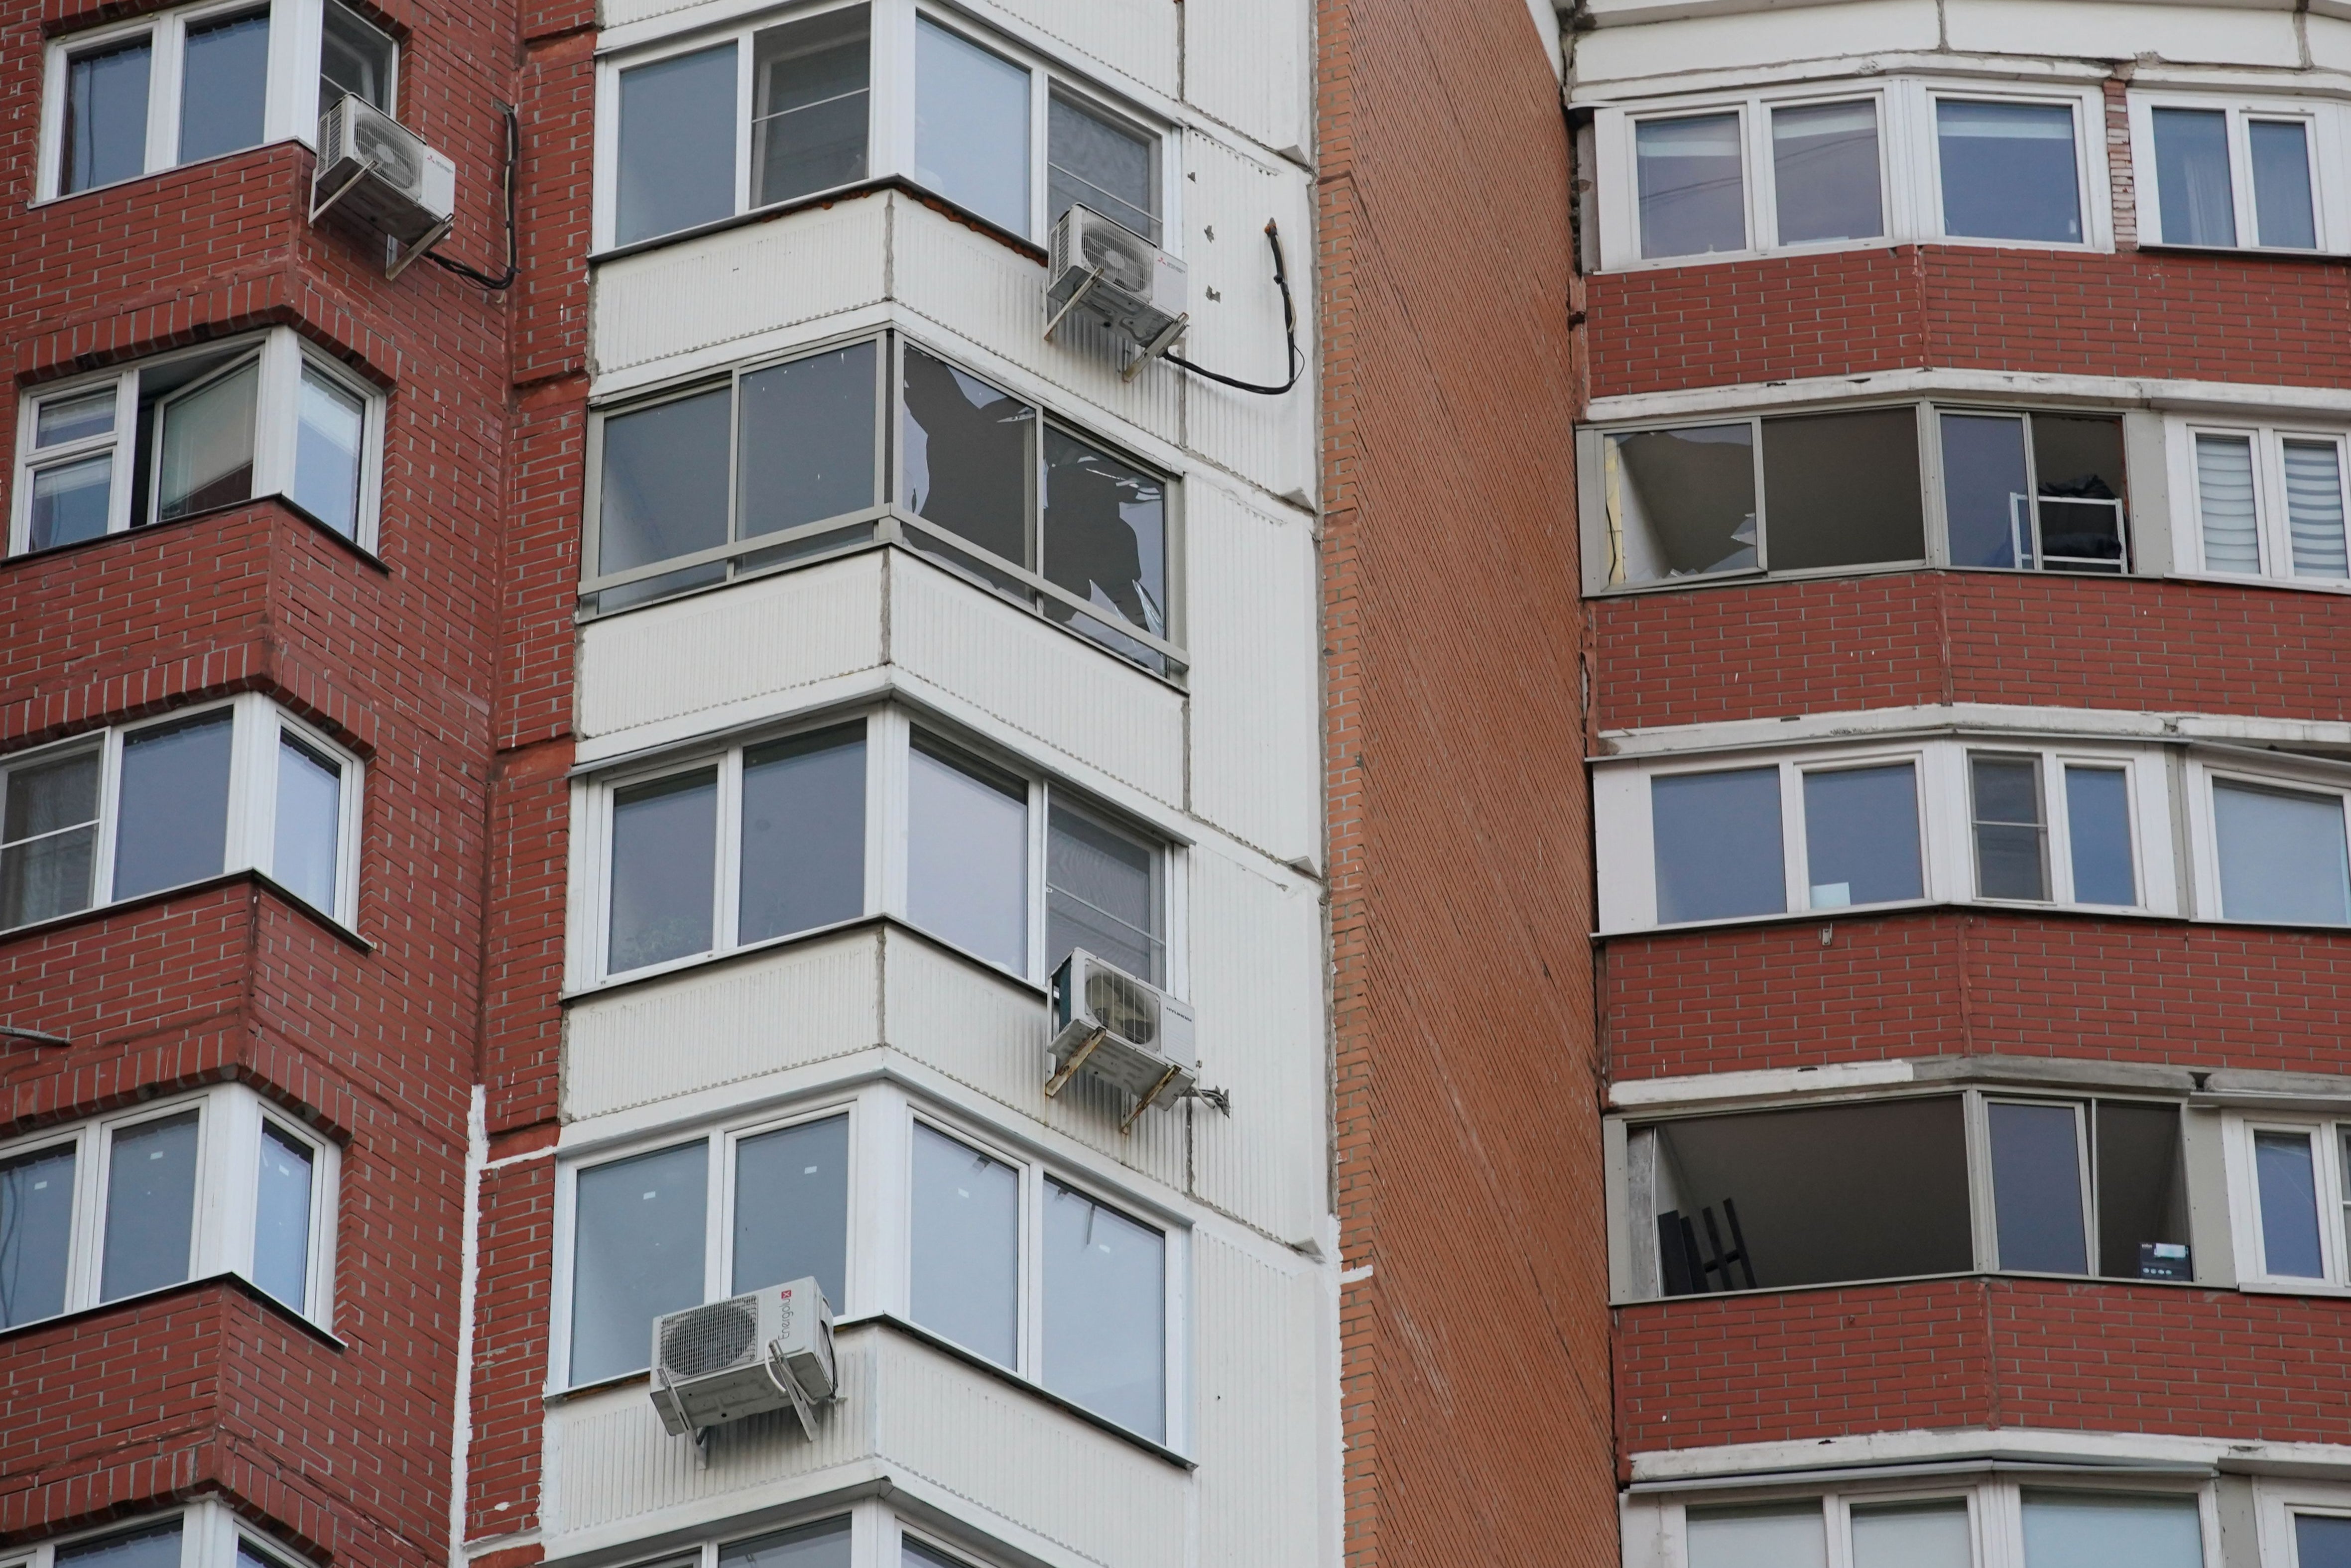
36	1231
664	491
1106	539
807	127
808	440
970	457
665	846
153	1546
803	833
224	83
105	131
174	818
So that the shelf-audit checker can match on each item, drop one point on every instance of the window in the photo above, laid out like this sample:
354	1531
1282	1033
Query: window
1951	1523
2039	491
1821	182
785	111
2009	169
782	836
188	433
2015	801
2280	853
1722	847
2293	1184
2229	175
194	83
2268	502
1693	201
202	1532
784	461
2322	1541
182	1189
144	808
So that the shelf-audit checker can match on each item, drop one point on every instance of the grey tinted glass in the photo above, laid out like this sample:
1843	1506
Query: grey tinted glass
967	855
310	823
224	84
971	126
105	130
2313	508
2282	856
2287	1176
970	458
2007	171
1092	161
917	1555
353	57
963	1274
2224	503
1782	1535
2191	171
48	827
65	419
791	1208
72	501
807	447
1105	1312
2069	1530
171	825
1824	172
1841	489
1913	1535
2142	1191
2322	1541
36	1193
1718	845
281	1219
2283	211
205	456
2077	472
665	849
1693	198
1101	894
155	1546
809	120
2011	862
1106	539
1680	502
151	1206
636	1253
1861	835
822	1545
804	832
677	145
664	491
1985	491
2036	1179
327	444
2097	821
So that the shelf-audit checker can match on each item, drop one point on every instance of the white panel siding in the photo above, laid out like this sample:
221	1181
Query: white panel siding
1257	992
696	293
1037	678
1245	63
1137	36
1239	332
2214	35
749	641
1799	33
1256	694
1261	1398
723	1025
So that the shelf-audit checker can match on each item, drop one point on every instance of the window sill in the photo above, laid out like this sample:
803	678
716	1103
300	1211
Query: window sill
2240	252
38	204
1912	906
324	1335
703	962
96	911
2337	586
1632	267
1986	1274
2294	1288
1874	568
898	183
359	551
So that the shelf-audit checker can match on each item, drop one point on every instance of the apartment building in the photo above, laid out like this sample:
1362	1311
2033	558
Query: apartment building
1963	512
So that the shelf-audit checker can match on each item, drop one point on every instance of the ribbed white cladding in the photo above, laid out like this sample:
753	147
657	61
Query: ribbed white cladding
1262	1389
1137	36
1245	62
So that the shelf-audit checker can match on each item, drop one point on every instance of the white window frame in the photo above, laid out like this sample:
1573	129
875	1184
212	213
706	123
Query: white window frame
890	144
2092	191
2278	1500
297	30
282	356
2272	527
878	1538
250	838
2324	131
2307	775
230	1118
2328	1134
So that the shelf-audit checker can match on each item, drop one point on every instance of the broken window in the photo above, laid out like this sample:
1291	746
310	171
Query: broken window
1681	503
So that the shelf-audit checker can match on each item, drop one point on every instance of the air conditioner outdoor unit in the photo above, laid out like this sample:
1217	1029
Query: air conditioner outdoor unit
1121	1030
1110	271
729	1359
377	173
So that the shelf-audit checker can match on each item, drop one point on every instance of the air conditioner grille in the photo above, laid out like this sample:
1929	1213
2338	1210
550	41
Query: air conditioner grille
1122	1005
718	1336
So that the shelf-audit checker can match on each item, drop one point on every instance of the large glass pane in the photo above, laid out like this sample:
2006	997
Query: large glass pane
1101	894
963	1277
1693	196
2072	1530
663	492
1717	845
1680	502
1105	1312
808	119
1782	1535
968	854
1913	1535
72	501
806	444
1824	172
2282	856
151	1206
36	1193
48	827
804	832
327	442
223	85
820	1545
2313	508
665	855
150	1546
2097	824
172	820
677	146
207	444
281	1221
1105	540
65	419
791	1208
2322	1541
2011	851
2037	1182
353	57
1841	489
971	126
1985	490
636	1253
2286	1175
1861	835
2191	172
970	456
2142	1190
105	131
2007	171
2224	504
309	831
2077	469
2283	211
1093	161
